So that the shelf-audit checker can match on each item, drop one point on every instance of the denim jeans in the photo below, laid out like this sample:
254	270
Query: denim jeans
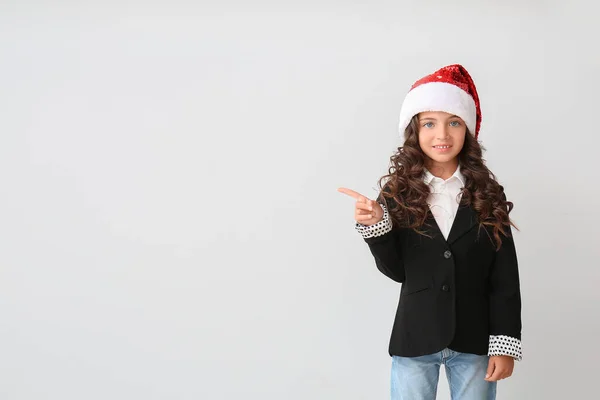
416	378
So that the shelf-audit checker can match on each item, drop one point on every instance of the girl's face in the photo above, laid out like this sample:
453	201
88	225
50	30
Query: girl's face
441	136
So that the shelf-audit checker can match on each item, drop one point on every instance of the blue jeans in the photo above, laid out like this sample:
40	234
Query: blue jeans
416	378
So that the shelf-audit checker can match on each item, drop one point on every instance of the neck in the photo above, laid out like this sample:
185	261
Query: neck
442	170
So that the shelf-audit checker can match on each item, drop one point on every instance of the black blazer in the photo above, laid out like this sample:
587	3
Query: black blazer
456	292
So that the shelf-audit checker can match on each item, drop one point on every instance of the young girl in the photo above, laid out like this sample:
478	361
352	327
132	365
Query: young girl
440	226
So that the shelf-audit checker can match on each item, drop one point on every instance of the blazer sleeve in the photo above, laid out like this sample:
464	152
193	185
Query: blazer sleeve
505	301
383	241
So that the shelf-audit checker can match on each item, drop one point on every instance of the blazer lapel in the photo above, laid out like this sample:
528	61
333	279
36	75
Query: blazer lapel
463	222
431	227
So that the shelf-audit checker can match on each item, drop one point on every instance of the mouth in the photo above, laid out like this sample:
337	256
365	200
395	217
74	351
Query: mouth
442	148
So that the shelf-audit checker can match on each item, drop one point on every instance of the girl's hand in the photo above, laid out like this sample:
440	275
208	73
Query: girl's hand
366	211
499	367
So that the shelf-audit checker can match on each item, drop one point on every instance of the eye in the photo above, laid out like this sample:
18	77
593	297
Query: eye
455	123
428	124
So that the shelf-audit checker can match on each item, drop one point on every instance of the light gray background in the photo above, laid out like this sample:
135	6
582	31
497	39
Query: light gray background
169	221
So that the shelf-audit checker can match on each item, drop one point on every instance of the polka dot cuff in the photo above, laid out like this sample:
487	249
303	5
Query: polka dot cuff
501	345
378	229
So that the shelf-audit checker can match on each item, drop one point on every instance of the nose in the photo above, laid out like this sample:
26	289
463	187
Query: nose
443	132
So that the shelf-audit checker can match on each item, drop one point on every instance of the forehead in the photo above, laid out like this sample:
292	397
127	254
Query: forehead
436	115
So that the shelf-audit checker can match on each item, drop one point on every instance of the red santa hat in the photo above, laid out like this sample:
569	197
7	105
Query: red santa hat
449	89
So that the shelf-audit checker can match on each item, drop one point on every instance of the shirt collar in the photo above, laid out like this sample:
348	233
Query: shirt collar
428	176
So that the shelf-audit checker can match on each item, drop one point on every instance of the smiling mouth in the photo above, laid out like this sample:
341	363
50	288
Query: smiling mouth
442	147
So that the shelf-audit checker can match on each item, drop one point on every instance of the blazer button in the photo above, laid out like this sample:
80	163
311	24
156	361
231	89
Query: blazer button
447	254
445	288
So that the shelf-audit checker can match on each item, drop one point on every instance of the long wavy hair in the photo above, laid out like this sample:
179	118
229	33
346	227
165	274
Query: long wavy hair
405	186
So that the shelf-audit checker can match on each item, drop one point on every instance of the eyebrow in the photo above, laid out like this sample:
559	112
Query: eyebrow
434	119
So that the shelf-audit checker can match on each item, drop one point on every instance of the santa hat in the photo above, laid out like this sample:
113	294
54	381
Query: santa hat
449	89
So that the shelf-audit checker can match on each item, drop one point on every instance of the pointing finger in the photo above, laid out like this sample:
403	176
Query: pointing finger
359	197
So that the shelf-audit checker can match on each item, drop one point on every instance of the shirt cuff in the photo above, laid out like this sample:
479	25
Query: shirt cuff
378	229
501	345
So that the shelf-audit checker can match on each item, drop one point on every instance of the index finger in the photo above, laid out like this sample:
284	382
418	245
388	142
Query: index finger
354	194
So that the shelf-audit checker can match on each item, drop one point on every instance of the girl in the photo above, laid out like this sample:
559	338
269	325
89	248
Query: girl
440	226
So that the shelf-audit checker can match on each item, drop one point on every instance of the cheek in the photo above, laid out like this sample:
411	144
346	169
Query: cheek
424	139
459	142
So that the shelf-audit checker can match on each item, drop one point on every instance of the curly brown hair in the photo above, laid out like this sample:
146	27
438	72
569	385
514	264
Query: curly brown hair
405	186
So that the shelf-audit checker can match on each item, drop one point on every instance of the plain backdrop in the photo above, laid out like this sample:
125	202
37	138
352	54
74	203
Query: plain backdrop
169	221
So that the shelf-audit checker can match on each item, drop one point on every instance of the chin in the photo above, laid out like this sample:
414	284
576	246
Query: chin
442	159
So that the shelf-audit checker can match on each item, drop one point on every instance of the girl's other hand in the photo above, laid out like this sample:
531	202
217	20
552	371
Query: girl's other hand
499	367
